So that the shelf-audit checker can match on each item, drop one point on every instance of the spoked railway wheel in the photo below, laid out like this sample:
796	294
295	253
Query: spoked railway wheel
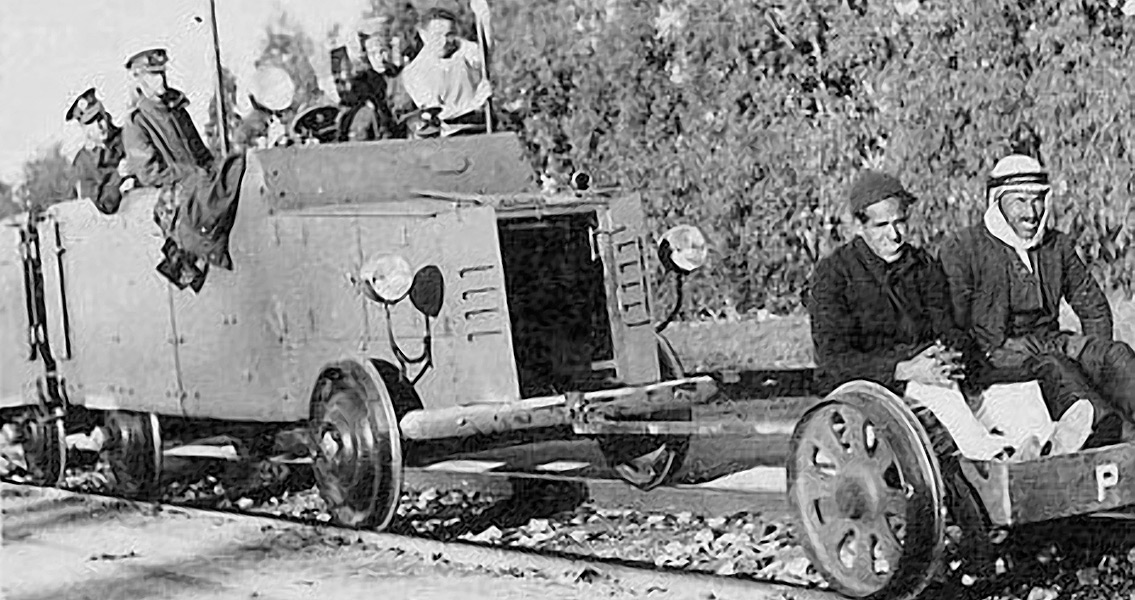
134	452
44	441
868	495
358	450
643	461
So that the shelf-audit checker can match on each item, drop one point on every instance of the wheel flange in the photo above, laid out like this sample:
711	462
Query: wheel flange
867	494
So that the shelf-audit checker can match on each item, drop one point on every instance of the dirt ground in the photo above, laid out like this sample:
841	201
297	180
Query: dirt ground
60	546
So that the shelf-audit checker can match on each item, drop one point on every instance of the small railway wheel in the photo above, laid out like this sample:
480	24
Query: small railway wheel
647	462
44	440
134	452
868	494
358	449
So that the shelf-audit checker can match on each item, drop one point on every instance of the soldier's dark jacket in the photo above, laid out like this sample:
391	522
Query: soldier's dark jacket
164	150
858	331
97	171
162	144
365	114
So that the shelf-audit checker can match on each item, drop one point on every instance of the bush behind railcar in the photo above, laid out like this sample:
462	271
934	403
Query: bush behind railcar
750	118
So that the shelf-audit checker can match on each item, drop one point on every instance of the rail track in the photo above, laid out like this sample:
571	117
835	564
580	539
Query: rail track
638	575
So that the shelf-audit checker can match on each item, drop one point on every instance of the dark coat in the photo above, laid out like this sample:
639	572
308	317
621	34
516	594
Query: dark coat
97	172
162	144
200	200
977	266
858	331
365	113
358	123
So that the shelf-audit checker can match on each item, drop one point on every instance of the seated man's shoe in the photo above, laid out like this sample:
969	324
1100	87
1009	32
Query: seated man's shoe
1074	428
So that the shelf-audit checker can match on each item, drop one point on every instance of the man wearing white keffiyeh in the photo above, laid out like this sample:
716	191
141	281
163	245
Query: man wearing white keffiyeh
1007	277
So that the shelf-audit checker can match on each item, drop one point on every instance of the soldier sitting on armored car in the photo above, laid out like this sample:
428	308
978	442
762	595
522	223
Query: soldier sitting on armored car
197	204
162	143
101	163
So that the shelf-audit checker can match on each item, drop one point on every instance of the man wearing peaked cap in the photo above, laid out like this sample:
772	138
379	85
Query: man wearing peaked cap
100	164
1008	274
198	201
316	124
161	140
85	107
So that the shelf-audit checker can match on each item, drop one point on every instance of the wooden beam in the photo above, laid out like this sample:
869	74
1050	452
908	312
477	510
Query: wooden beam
1054	487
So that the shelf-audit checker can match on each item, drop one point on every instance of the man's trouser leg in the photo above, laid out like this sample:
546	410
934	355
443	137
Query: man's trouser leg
1110	367
1063	382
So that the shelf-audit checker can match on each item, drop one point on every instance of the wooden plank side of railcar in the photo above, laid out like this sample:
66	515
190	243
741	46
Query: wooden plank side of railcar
108	303
231	340
17	369
1054	487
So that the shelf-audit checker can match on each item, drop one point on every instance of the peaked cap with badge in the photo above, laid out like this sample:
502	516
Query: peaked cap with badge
152	60
86	108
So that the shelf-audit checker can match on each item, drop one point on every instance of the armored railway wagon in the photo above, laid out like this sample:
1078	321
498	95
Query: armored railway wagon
399	300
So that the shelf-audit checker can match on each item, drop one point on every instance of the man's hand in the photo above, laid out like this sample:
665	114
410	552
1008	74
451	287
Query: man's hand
127	185
933	366
122	170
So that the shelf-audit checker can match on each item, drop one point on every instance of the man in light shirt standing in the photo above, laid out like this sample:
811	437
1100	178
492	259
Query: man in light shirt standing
449	72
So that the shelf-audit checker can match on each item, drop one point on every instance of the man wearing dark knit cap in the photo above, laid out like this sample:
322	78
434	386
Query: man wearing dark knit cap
880	308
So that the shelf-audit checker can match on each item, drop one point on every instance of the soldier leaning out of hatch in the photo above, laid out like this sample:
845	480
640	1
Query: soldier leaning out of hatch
101	163
364	115
445	79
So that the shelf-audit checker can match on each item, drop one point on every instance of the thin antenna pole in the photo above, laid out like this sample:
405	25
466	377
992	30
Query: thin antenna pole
482	41
222	122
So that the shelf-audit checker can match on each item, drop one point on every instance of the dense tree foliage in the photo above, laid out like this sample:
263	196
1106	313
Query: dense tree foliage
49	178
751	118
